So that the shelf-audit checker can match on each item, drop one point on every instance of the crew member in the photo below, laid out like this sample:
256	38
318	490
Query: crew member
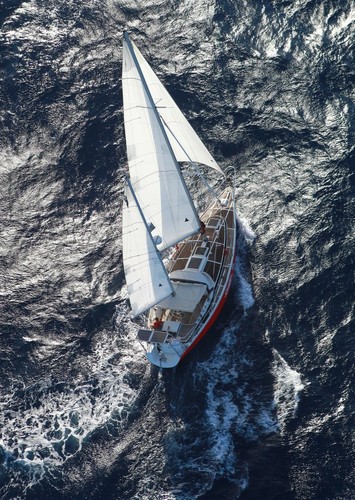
157	324
203	230
202	227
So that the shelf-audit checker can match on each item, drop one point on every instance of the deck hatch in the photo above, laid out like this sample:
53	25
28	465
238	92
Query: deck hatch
201	251
213	223
196	262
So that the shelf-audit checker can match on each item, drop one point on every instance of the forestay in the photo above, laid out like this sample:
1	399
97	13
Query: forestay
161	192
186	144
146	278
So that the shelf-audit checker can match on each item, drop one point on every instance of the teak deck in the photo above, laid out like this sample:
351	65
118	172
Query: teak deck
216	249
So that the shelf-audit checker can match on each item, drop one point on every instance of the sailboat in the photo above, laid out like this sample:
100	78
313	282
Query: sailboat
178	264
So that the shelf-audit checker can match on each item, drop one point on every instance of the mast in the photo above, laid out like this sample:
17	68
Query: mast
159	121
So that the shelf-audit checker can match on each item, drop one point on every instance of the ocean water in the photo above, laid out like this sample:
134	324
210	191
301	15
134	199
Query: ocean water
262	408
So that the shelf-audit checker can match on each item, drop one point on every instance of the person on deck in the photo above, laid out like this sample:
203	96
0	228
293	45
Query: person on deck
203	230
157	324
202	227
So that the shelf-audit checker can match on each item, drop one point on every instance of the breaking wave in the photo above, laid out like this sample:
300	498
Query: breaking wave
287	388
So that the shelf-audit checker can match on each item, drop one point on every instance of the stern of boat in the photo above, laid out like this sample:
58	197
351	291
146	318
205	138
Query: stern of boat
164	350
166	355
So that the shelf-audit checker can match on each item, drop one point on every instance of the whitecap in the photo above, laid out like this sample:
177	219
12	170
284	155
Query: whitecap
287	387
46	423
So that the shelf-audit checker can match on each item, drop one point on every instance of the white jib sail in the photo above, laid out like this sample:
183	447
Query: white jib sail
146	278
186	144
153	169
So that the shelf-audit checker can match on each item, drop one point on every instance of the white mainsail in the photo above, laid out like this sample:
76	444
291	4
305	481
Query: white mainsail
186	144
154	172
146	278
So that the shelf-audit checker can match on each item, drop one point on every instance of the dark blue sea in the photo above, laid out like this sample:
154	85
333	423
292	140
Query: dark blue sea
263	408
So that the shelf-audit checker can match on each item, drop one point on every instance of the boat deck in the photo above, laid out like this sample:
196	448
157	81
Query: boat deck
210	253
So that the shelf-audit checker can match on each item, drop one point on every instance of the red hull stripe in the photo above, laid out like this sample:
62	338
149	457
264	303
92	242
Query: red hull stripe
214	315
